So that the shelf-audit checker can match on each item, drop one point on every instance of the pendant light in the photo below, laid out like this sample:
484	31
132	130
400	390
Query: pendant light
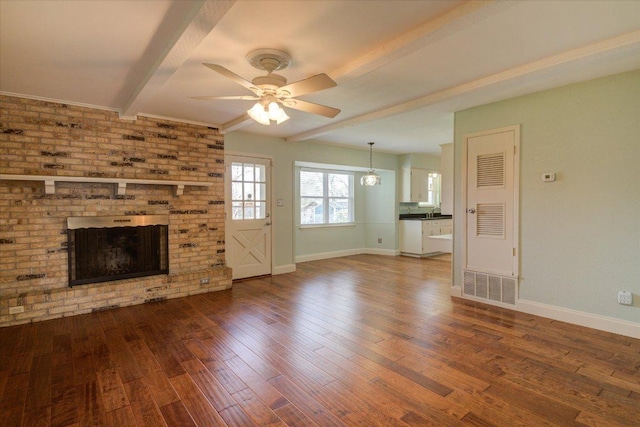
370	178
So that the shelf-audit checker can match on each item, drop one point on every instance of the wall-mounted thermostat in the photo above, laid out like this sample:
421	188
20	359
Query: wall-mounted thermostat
548	177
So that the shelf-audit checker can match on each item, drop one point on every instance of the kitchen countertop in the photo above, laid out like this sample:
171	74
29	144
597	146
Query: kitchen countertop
423	217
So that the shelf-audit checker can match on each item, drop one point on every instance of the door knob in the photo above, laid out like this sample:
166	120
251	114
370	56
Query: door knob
471	210
268	223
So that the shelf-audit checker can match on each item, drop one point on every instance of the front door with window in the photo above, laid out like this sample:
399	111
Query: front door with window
248	223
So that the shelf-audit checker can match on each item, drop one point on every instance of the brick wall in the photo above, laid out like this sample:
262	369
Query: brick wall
45	138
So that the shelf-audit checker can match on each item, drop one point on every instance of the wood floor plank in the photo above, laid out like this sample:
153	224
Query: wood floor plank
160	387
259	412
121	356
90	407
39	388
37	417
307	404
64	410
200	409
120	417
362	340
175	414
12	400
234	416
292	416
209	386
111	389
257	383
144	408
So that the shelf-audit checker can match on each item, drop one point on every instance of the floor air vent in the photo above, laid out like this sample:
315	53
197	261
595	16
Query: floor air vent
490	287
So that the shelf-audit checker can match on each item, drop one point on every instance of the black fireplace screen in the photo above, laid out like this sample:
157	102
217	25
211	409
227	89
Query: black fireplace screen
111	248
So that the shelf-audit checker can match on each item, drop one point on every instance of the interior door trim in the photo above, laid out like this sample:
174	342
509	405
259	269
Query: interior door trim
272	216
516	192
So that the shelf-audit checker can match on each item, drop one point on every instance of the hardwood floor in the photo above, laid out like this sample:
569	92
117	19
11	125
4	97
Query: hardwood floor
359	341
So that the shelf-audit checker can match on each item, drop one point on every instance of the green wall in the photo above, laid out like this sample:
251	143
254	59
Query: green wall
376	208
580	235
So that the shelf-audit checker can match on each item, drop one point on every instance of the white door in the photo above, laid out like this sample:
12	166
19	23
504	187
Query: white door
248	220
491	202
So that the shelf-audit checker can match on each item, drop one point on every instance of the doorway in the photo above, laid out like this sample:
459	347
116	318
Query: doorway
491	223
248	215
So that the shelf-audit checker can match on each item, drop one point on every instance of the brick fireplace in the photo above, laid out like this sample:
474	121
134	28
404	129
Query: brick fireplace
40	138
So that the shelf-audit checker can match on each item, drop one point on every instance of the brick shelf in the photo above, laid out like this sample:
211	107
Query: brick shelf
50	180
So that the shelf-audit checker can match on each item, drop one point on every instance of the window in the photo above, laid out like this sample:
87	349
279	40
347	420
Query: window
326	197
248	191
433	189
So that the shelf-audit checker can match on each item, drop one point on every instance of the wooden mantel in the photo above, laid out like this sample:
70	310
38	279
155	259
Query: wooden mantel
121	183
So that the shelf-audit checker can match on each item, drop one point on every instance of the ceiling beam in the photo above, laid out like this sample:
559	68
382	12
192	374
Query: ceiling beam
205	16
235	124
607	46
443	26
405	44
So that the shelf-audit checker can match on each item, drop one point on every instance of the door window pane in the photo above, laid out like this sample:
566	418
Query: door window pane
236	210
248	191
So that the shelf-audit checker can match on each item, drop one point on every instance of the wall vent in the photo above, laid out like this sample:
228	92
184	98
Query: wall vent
490	287
491	170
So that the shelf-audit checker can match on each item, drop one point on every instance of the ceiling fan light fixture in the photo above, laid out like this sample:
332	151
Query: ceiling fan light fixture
265	114
259	114
276	113
272	91
371	178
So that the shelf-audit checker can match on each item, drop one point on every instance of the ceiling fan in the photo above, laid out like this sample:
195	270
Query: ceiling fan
272	89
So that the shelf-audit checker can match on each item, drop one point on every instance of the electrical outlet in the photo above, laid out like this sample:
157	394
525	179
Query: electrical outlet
379	239
16	310
204	281
625	298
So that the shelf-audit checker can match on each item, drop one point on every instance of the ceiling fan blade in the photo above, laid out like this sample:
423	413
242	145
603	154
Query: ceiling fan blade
213	98
236	78
310	107
302	87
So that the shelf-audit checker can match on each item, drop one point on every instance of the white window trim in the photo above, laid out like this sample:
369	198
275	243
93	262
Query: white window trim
325	198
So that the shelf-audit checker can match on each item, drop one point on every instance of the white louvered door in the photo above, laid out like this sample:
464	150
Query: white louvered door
491	209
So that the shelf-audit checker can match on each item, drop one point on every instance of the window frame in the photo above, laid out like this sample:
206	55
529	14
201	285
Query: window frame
436	191
326	198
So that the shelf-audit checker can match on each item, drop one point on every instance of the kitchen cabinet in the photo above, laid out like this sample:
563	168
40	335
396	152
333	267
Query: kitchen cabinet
414	185
414	235
419	187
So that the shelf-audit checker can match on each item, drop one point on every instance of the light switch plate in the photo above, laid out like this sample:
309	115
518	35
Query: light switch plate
548	177
625	298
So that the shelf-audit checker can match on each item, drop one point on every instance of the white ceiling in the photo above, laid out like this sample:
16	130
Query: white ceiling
402	67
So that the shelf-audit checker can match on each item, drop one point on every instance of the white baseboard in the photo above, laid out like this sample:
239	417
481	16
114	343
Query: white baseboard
347	252
595	321
283	269
575	317
386	252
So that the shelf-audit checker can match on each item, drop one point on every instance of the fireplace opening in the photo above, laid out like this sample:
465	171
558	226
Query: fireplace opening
110	248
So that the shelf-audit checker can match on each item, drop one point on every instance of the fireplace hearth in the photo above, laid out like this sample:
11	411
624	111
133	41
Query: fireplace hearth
110	248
